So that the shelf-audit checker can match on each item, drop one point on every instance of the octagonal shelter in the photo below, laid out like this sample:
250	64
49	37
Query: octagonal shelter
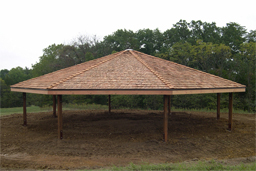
128	72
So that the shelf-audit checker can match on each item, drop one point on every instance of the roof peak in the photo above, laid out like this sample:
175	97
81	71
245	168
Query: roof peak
152	70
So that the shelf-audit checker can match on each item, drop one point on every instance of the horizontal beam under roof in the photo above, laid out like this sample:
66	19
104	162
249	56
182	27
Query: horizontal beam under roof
128	92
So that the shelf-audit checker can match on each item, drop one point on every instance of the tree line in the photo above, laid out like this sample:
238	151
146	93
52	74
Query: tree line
228	52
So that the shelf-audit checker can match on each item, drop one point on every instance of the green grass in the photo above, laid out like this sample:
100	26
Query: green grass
201	165
31	109
34	109
225	110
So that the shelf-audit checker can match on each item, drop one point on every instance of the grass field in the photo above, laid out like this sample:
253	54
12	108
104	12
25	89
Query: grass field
31	109
34	109
200	165
225	110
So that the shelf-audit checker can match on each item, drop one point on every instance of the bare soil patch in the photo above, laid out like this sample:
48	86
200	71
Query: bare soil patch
95	139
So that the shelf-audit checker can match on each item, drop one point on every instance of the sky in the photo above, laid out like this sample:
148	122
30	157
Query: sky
29	26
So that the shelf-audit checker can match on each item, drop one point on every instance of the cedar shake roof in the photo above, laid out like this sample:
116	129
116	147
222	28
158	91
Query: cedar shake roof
128	72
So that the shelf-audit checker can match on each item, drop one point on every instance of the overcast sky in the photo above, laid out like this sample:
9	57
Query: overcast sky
27	27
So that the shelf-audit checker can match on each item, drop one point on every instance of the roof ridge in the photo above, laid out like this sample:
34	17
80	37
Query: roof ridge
175	63
153	71
84	70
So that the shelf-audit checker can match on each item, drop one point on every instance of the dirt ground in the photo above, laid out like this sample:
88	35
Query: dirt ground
96	139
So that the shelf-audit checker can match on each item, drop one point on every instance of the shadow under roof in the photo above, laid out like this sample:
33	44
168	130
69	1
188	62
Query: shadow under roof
128	72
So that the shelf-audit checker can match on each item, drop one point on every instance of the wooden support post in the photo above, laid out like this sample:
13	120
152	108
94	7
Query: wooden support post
230	107
60	131
24	110
169	105
218	106
54	106
109	104
165	118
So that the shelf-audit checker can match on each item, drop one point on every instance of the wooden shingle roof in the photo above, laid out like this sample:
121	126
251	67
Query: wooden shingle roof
128	72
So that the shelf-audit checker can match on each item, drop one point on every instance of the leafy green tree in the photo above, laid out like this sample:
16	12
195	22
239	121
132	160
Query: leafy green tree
16	75
208	32
3	73
210	57
47	62
195	101
67	57
197	30
124	101
182	31
150	41
102	49
89	56
165	55
233	35
3	89
153	102
245	69
179	33
181	53
221	60
203	56
170	38
251	36
121	40
85	44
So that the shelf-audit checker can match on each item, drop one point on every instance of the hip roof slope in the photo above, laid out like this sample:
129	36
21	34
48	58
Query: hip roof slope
128	69
53	78
183	77
122	72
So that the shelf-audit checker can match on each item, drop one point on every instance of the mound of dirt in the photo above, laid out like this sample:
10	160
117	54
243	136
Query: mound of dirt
95	139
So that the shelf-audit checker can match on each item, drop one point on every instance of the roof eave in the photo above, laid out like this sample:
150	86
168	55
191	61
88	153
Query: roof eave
128	91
